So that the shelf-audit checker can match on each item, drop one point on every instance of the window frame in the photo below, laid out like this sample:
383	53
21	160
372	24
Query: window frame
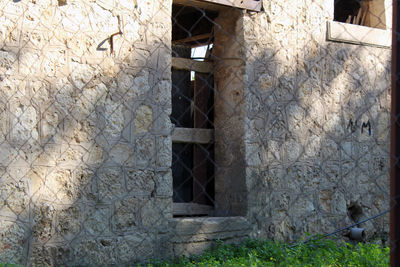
230	186
358	34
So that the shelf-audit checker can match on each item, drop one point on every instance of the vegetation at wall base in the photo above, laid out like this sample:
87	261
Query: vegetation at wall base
323	252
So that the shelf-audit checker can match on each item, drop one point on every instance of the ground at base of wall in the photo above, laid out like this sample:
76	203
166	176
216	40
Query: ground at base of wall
269	253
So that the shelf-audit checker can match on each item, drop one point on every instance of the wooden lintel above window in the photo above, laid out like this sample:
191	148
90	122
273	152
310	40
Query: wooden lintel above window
254	5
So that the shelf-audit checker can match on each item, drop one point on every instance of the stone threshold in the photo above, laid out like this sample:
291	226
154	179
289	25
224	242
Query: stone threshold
194	235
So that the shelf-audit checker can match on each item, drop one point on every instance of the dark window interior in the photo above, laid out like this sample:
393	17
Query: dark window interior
192	107
346	8
192	26
357	12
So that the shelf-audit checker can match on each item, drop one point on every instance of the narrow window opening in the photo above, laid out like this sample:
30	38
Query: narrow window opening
208	168
192	112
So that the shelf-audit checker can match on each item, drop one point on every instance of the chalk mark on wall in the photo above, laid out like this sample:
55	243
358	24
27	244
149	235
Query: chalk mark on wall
352	126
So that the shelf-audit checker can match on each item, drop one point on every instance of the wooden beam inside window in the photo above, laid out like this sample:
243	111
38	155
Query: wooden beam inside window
194	38
193	135
254	5
190	64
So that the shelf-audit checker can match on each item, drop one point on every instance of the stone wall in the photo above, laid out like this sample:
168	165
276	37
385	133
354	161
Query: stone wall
85	152
230	180
317	129
85	136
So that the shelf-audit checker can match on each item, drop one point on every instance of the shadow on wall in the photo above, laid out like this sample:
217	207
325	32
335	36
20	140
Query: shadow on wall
318	139
86	148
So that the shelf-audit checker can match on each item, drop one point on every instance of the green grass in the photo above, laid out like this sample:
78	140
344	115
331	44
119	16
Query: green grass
325	252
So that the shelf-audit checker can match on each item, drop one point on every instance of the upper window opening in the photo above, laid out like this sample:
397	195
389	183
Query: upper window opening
370	13
199	53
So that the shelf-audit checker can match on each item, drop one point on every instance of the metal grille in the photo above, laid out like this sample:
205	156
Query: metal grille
137	130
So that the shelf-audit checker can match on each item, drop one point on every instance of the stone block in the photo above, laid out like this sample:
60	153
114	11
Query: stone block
143	119
14	197
97	220
99	252
94	155
155	213
136	247
126	216
110	183
163	181
164	151
24	123
140	182
188	226
121	155
135	87
59	186
114	119
7	60
43	221
86	184
70	155
193	236
69	221
51	254
13	241
145	151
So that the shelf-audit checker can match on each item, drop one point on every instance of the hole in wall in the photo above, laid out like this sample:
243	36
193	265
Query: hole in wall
62	2
355	212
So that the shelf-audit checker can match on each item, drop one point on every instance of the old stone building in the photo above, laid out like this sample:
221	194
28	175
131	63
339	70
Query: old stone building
116	146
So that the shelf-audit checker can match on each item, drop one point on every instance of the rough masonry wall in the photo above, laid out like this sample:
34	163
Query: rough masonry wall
317	124
84	147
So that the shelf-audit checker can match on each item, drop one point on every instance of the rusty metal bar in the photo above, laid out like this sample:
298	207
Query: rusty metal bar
395	143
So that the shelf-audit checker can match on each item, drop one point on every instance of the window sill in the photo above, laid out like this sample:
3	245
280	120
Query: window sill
208	225
356	34
194	235
191	209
